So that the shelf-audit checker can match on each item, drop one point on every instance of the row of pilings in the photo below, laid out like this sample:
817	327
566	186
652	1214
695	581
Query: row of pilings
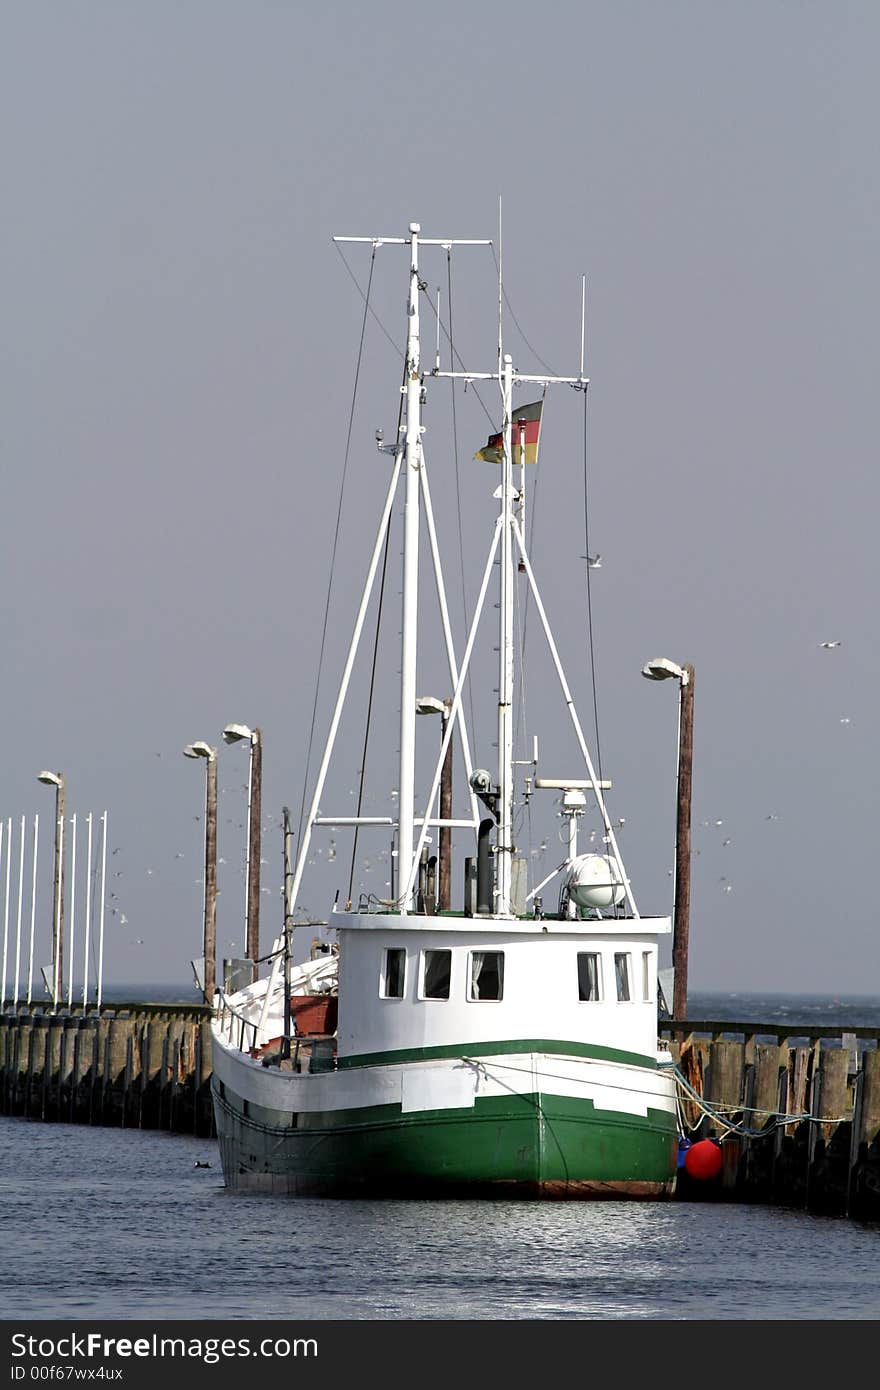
134	1066
797	1116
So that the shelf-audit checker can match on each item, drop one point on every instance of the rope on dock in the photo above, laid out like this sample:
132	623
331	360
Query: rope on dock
717	1113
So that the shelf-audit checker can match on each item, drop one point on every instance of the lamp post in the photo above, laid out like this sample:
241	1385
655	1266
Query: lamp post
56	780
204	750
429	704
661	668
233	733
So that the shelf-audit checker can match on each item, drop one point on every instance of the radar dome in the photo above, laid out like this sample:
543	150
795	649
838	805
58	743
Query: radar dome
594	881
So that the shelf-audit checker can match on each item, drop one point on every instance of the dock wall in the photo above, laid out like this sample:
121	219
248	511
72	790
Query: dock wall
797	1116
135	1066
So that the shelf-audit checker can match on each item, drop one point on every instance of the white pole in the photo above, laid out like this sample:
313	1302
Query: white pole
583	318
247	858
33	912
447	636
410	614
343	685
575	721
88	911
504	844
101	928
522	474
500	286
455	706
6	917
20	896
57	982
72	909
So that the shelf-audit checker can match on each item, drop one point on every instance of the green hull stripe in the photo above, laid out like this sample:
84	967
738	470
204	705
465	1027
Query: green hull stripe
497	1049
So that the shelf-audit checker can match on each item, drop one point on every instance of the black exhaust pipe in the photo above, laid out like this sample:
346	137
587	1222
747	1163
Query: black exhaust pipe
484	867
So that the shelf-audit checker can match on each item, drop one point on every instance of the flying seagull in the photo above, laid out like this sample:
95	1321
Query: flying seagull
829	645
593	561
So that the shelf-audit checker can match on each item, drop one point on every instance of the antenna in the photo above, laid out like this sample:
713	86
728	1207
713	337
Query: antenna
500	290
438	330
583	318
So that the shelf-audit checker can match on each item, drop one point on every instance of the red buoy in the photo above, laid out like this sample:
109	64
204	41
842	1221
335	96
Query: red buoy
703	1159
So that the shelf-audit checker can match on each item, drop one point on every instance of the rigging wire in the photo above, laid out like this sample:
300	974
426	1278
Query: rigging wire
357	373
464	607
368	722
455	355
516	320
521	717
589	602
366	297
363	767
529	537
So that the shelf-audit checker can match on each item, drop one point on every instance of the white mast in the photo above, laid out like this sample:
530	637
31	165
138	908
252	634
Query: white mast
512	535
409	624
504	846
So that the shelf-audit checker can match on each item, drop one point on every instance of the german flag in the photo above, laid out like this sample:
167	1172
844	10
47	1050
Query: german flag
526	417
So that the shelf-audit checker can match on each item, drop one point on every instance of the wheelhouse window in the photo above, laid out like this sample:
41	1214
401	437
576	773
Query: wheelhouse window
646	976
589	976
486	975
622	975
437	971
393	973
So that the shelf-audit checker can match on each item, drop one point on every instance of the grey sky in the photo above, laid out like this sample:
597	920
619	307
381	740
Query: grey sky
179	346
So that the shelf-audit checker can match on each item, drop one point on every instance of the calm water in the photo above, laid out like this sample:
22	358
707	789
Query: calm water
102	1223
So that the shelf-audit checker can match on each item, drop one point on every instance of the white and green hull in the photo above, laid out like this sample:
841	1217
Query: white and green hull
532	1118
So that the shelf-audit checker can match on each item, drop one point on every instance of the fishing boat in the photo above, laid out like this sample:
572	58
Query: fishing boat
504	1046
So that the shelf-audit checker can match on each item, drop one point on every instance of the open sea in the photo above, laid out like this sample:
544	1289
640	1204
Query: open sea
123	1224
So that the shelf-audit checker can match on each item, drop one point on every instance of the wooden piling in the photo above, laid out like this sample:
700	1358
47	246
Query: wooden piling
24	1028
140	1065
37	1068
806	1109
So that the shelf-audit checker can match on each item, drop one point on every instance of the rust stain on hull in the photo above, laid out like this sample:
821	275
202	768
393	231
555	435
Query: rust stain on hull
587	1190
614	1191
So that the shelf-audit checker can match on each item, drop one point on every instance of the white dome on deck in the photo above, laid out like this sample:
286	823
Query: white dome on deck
594	881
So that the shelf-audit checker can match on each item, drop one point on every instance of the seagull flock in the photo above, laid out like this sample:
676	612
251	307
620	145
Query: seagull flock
723	881
330	853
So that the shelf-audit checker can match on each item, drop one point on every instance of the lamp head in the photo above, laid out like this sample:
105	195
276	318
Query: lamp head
53	779
661	669
200	750
234	732
429	704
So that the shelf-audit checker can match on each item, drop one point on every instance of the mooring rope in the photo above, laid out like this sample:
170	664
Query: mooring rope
717	1112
